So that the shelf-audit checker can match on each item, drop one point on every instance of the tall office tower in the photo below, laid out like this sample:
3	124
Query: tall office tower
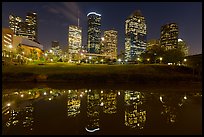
109	47
135	36
169	36
94	32
14	23
27	28
74	41
32	26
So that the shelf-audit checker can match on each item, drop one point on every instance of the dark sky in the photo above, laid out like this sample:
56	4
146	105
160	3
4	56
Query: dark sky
55	17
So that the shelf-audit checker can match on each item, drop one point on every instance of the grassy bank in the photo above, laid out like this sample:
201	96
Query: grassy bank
97	73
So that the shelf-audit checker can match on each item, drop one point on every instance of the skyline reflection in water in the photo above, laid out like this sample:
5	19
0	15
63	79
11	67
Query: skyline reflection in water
100	111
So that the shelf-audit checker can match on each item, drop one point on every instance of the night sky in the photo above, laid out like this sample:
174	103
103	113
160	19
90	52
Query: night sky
54	19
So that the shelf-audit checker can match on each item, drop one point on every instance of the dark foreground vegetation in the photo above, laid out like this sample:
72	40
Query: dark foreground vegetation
99	73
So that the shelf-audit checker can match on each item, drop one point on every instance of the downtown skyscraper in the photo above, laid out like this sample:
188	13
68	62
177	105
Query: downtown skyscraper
27	28
109	44
135	36
94	32
169	36
74	41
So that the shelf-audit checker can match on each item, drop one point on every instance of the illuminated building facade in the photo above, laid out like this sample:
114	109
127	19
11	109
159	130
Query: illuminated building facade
135	113
151	43
14	23
7	42
109	44
74	41
27	28
94	32
31	22
135	36
169	36
28	47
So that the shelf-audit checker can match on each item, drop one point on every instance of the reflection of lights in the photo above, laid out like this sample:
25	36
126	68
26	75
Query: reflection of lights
8	104
50	99
185	97
118	93
161	99
22	95
92	130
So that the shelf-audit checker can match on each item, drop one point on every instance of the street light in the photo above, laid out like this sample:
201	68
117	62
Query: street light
160	59
148	60
90	58
119	60
138	59
184	61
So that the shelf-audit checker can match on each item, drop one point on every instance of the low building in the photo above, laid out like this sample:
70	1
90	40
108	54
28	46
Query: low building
7	42
27	47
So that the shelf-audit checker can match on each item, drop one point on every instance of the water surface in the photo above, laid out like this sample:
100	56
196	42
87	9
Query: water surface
82	111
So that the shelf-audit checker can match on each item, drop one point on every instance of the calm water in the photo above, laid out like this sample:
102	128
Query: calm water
101	111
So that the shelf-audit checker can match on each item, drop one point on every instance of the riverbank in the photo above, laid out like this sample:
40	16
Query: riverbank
57	73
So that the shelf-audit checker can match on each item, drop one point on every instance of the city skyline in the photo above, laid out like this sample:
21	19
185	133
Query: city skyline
55	18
